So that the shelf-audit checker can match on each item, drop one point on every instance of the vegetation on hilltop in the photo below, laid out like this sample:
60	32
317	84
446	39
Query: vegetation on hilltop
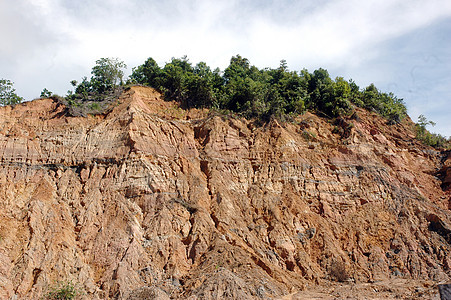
241	88
262	93
107	76
95	95
251	92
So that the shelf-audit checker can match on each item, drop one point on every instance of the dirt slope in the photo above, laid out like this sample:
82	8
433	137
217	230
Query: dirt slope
150	201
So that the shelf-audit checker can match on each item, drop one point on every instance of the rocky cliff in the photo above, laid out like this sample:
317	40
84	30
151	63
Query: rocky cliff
150	201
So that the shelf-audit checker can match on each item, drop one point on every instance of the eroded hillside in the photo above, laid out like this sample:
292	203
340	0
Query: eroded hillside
150	200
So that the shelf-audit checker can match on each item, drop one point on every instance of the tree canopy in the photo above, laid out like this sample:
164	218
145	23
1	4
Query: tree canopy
262	93
107	75
242	88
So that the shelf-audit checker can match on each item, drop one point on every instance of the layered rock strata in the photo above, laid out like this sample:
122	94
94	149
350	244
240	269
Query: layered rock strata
153	201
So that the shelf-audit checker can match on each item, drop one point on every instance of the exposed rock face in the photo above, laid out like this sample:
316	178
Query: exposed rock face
150	201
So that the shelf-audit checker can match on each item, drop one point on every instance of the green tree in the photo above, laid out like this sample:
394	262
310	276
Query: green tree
422	123
178	80
341	106
356	96
45	93
148	73
320	89
262	93
275	103
107	74
238	69
245	87
8	94
204	86
428	138
283	66
387	105
291	88
175	77
84	88
394	108
371	99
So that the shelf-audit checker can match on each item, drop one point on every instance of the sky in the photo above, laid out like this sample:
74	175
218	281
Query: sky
402	46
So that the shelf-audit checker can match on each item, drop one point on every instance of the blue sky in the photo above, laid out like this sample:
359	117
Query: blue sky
402	46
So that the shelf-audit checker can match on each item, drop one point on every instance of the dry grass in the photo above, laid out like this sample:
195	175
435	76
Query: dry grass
338	272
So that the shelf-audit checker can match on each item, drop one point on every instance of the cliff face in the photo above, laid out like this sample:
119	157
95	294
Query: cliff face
153	201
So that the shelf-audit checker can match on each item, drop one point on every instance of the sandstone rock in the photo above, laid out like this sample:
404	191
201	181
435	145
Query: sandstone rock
153	201
148	293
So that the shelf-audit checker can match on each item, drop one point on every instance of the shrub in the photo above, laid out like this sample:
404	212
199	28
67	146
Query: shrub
428	138
46	93
94	106
338	272
387	105
63	290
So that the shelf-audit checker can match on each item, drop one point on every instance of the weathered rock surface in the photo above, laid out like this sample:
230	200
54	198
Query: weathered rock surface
150	201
